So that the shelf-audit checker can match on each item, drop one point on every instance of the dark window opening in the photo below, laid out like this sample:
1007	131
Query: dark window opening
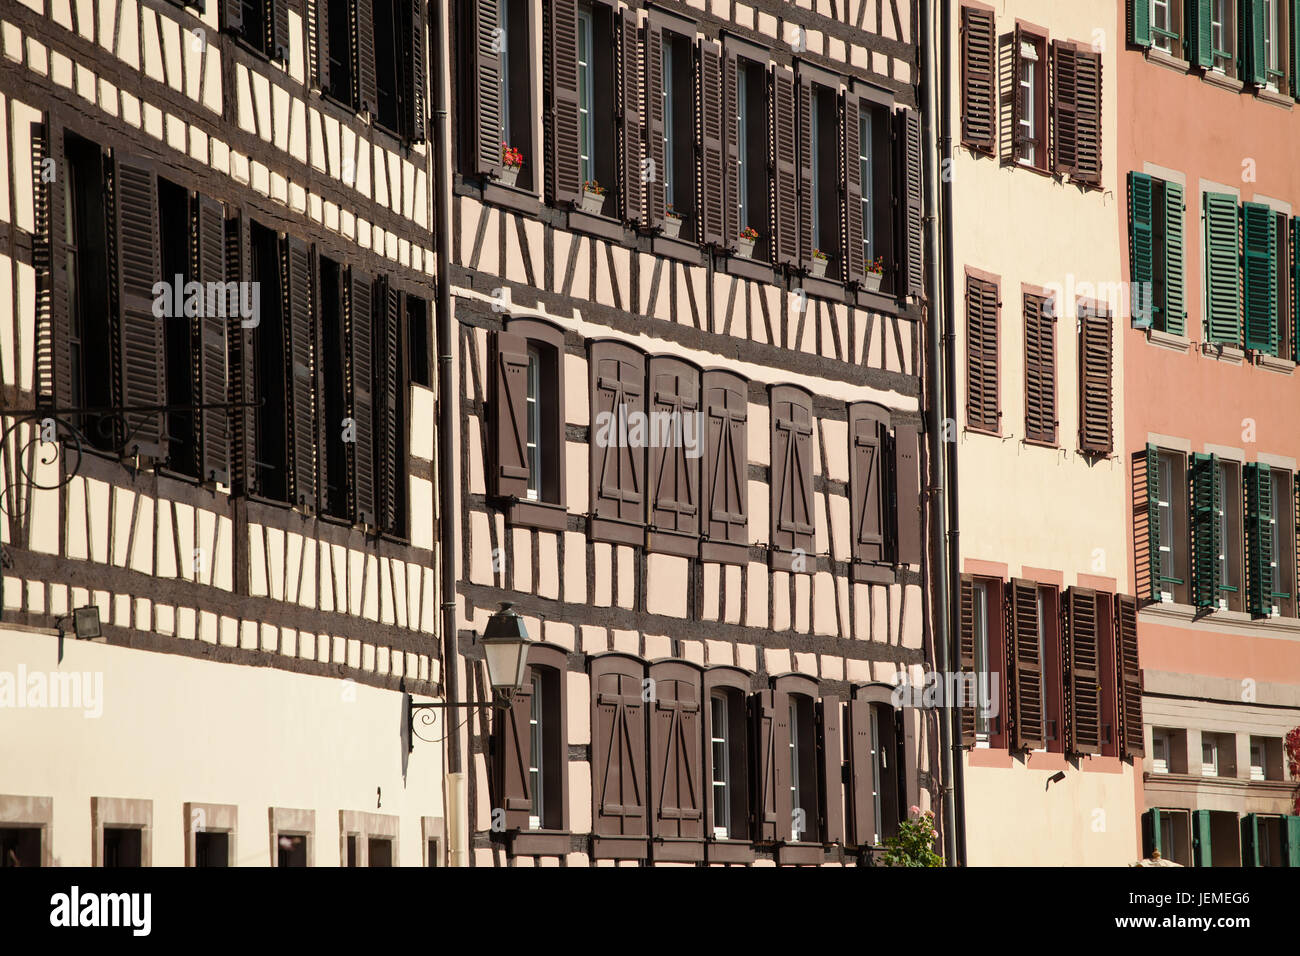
751	152
1232	593
1159	245
174	240
257	30
380	851
392	34
547	750
825	178
874	140
396	480
339	44
123	846
271	452
804	791
679	129
20	846
544	409
434	853
517	85
728	765
291	850
352	849
1051	662
886	754
211	849
417	341
333	350
597	85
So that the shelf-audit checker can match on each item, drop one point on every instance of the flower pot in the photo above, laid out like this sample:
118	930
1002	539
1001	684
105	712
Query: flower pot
745	248
672	227
819	268
871	282
591	202
508	175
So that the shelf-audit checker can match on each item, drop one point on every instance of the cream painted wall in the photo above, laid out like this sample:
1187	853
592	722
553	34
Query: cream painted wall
175	729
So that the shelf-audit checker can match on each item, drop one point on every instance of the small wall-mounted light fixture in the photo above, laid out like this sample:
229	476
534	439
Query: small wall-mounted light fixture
86	625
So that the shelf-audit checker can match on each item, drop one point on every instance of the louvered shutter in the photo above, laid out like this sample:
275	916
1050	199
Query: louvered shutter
676	760
629	106
618	738
854	253
359	321
725	485
1027	686
208	265
1153	518
1018	137
1085	671
1206	545
807	241
1202	843
296	286
562	56
978	80
54	383
655	197
1151	832
1222	323
618	400
907	493
1250	840
712	200
1254	63
1040	369
862	806
415	81
139	331
785	147
830	743
792	471
1141	247
241	390
1065	110
967	626
280	30
1291	850
1259	277
485	29
982	311
1132	740
321	47
1295	292
512	757
1175	304
868	431
731	77
1259	538
909	784
1095	412
388	325
1200	32
365	92
510	415
674	470
1087	157
1139	22
1295	49
232	15
912	226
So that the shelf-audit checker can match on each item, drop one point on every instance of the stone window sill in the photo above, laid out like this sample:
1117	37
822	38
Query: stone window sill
1224	353
1168	60
1230	83
1167	340
1275	97
1274	363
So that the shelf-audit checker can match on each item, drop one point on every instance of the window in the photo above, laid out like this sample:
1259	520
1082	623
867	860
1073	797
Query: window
1275	28
1257	758
979	80
983	719
292	836
1209	756
20	846
752	195
866	149
1040	368
619	440
586	110
210	834
537	752
271	462
122	846
1076	114
1282	542
292	850
122	831
1156	256
679	126
871	477
393	62
1228	509
380	851
1029	114
1047	599
674	476
620	784
884	772
1259	277
371	59
876	171
337	77
262	24
1166	26
211	849
982	656
1222	30
1167	535
417	342
727	731
1160	747
1283	266
720	744
597	79
825	171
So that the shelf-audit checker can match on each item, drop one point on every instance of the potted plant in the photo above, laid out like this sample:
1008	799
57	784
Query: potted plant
745	244
875	273
819	263
511	160
592	199
672	227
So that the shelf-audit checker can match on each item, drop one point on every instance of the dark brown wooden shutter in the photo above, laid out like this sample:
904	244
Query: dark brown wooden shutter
512	756
830	744
725	487
54	386
510	415
868	432
1087	164
978	79
1040	369
415	75
854	253
655	196
562	58
300	325
208	264
617	469
389	381
676	757
913	251
366	91
907	493
1094	383
1085	670
712	164
1027	686
1018	138
139	331
240	339
792	470
861	774
321	11
807	241
1132	737
731	139
785	153
909	782
983	306
1065	109
232	15
280	30
359	324
966	659
487	87
674	472
618	740
770	721
629	107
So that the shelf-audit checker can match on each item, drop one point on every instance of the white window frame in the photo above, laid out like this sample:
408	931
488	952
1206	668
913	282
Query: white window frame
867	175
720	744
1210	743
537	740
1029	119
742	141
983	720
533	441
586	92
1162	742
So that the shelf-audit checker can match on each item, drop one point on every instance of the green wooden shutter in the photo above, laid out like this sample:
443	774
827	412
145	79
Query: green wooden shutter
1222	299
1254	66
1205	530
1292	837
1175	305
1151	833
1295	48
1250	840
1259	276
1200	38
1259	538
1153	518
1141	249
1139	22
1202	851
1295	278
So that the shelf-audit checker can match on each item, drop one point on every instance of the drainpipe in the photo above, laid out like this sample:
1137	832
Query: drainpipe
457	824
939	346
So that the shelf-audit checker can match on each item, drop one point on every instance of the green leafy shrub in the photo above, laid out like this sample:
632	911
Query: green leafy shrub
914	845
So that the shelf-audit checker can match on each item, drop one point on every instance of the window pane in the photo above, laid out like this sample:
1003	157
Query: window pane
864	160
721	769
586	135
982	677
667	171
535	757
534	425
